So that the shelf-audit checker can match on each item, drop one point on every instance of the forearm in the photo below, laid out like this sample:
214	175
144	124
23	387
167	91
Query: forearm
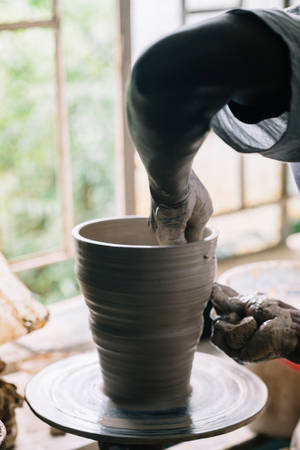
169	111
167	134
180	82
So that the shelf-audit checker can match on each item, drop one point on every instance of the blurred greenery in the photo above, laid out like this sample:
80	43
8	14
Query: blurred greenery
295	226
29	201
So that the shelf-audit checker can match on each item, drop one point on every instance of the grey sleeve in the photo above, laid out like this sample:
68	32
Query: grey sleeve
276	138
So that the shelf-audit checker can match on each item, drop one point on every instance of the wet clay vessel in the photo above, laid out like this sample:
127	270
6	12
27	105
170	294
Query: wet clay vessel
145	303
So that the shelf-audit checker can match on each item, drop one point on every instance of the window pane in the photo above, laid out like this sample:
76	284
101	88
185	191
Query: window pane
16	10
263	4
262	179
30	217
248	231
227	4
88	47
217	166
208	4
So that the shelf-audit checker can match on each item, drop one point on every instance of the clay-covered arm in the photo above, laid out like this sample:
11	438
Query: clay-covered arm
180	82
254	327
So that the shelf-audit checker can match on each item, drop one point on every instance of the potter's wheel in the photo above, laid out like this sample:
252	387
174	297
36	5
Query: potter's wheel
68	395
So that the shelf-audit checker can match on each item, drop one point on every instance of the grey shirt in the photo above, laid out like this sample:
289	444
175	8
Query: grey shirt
276	138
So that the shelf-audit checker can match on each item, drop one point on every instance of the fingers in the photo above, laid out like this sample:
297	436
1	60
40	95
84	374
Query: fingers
219	338
170	225
244	341
295	314
195	227
263	345
261	307
222	289
170	237
231	337
275	338
151	220
237	336
285	305
194	230
254	328
184	221
201	212
226	300
197	222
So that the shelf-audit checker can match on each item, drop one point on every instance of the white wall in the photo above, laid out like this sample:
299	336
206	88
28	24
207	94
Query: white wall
152	19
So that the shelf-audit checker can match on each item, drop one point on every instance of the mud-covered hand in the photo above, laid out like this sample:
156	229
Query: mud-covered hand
185	220
254	328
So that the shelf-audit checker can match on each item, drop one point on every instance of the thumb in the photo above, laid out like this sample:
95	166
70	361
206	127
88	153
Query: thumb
226	300
195	227
169	236
194	231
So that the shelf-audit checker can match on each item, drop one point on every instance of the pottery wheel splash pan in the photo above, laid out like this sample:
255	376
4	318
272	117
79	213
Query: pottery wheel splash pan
68	395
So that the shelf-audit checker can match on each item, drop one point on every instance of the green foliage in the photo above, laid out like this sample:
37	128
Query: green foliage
29	209
29	201
295	226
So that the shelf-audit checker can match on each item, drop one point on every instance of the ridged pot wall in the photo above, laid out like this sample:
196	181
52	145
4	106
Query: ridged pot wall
145	303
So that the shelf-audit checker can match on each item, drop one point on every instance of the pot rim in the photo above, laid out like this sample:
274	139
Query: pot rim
78	237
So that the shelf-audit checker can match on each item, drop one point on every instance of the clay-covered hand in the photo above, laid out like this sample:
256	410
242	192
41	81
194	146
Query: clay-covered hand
185	220
254	328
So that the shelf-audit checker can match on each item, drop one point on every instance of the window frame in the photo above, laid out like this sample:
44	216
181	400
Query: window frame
125	189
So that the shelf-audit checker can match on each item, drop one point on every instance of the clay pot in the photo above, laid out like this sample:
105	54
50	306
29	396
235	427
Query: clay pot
146	303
